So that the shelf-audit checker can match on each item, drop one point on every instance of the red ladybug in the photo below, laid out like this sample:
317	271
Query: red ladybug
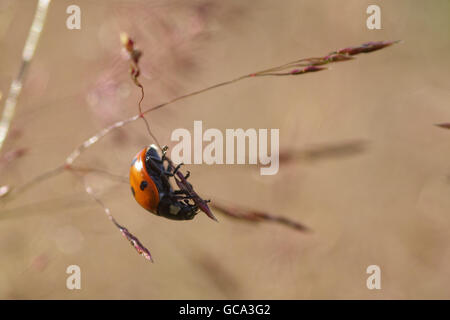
151	188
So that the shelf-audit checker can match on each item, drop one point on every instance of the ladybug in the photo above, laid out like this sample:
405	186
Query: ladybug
150	186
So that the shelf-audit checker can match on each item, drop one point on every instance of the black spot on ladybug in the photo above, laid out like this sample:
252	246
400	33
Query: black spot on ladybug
143	185
132	191
134	160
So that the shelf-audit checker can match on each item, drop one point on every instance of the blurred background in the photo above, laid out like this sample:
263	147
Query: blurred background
385	202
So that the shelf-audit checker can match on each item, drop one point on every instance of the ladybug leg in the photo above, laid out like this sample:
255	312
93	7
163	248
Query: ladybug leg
166	169
165	181
171	174
180	192
193	207
177	168
156	159
183	197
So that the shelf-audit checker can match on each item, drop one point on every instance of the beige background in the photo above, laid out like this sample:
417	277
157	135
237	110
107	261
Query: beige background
388	205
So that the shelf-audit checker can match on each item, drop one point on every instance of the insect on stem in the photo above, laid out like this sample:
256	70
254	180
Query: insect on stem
301	66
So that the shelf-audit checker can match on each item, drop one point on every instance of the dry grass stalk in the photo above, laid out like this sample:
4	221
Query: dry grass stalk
293	68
